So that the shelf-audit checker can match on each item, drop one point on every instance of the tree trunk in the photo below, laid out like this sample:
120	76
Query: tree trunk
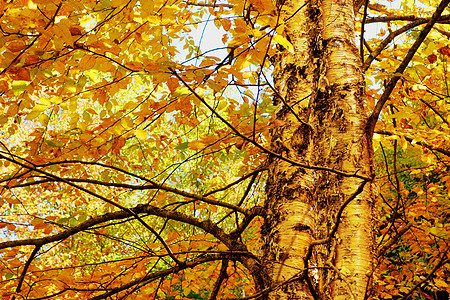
322	126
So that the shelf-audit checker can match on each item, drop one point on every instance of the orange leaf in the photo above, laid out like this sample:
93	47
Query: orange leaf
172	84
16	46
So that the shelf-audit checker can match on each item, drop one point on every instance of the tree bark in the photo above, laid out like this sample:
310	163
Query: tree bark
322	122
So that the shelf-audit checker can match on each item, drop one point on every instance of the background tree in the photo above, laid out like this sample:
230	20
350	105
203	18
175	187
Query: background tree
134	160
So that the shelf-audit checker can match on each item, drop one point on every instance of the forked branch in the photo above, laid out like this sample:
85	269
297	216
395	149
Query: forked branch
401	68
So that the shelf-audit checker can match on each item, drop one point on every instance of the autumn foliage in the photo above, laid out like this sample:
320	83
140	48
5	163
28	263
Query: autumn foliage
134	138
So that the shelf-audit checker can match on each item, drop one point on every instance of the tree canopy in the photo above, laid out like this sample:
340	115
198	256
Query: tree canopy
133	161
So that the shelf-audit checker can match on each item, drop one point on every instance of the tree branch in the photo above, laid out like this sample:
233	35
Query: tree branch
152	184
150	277
442	261
446	33
155	186
338	217
222	276
254	212
409	139
206	225
394	239
391	85
363	23
259	146
434	110
25	269
209	5
441	19
374	54
58	7
252	173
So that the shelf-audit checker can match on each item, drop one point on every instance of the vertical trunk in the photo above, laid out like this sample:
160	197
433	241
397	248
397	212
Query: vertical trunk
350	150
290	189
322	123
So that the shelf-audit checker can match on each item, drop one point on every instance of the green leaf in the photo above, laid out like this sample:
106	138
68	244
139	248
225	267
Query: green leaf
54	144
182	146
62	220
82	218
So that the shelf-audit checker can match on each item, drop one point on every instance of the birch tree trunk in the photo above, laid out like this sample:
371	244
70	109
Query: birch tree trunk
318	228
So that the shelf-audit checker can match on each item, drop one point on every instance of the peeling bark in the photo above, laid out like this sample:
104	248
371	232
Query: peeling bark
323	122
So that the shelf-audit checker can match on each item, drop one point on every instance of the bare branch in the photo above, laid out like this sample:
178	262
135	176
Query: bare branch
434	110
363	23
16	58
446	33
255	211
155	186
342	277
394	239
210	5
207	226
163	273
338	217
222	276
252	173
25	269
152	184
441	19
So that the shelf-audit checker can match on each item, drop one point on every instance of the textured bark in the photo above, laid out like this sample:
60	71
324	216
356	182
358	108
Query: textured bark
322	123
290	190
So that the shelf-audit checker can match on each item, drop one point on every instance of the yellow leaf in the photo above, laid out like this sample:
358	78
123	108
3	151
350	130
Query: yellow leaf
44	102
248	74
245	63
61	29
43	119
196	145
432	188
440	283
141	134
267	5
59	66
55	99
126	123
181	91
16	46
147	7
283	42
222	105
36	111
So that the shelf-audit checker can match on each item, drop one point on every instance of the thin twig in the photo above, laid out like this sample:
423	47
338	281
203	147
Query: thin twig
394	239
442	261
338	216
210	5
259	146
25	269
363	23
392	83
